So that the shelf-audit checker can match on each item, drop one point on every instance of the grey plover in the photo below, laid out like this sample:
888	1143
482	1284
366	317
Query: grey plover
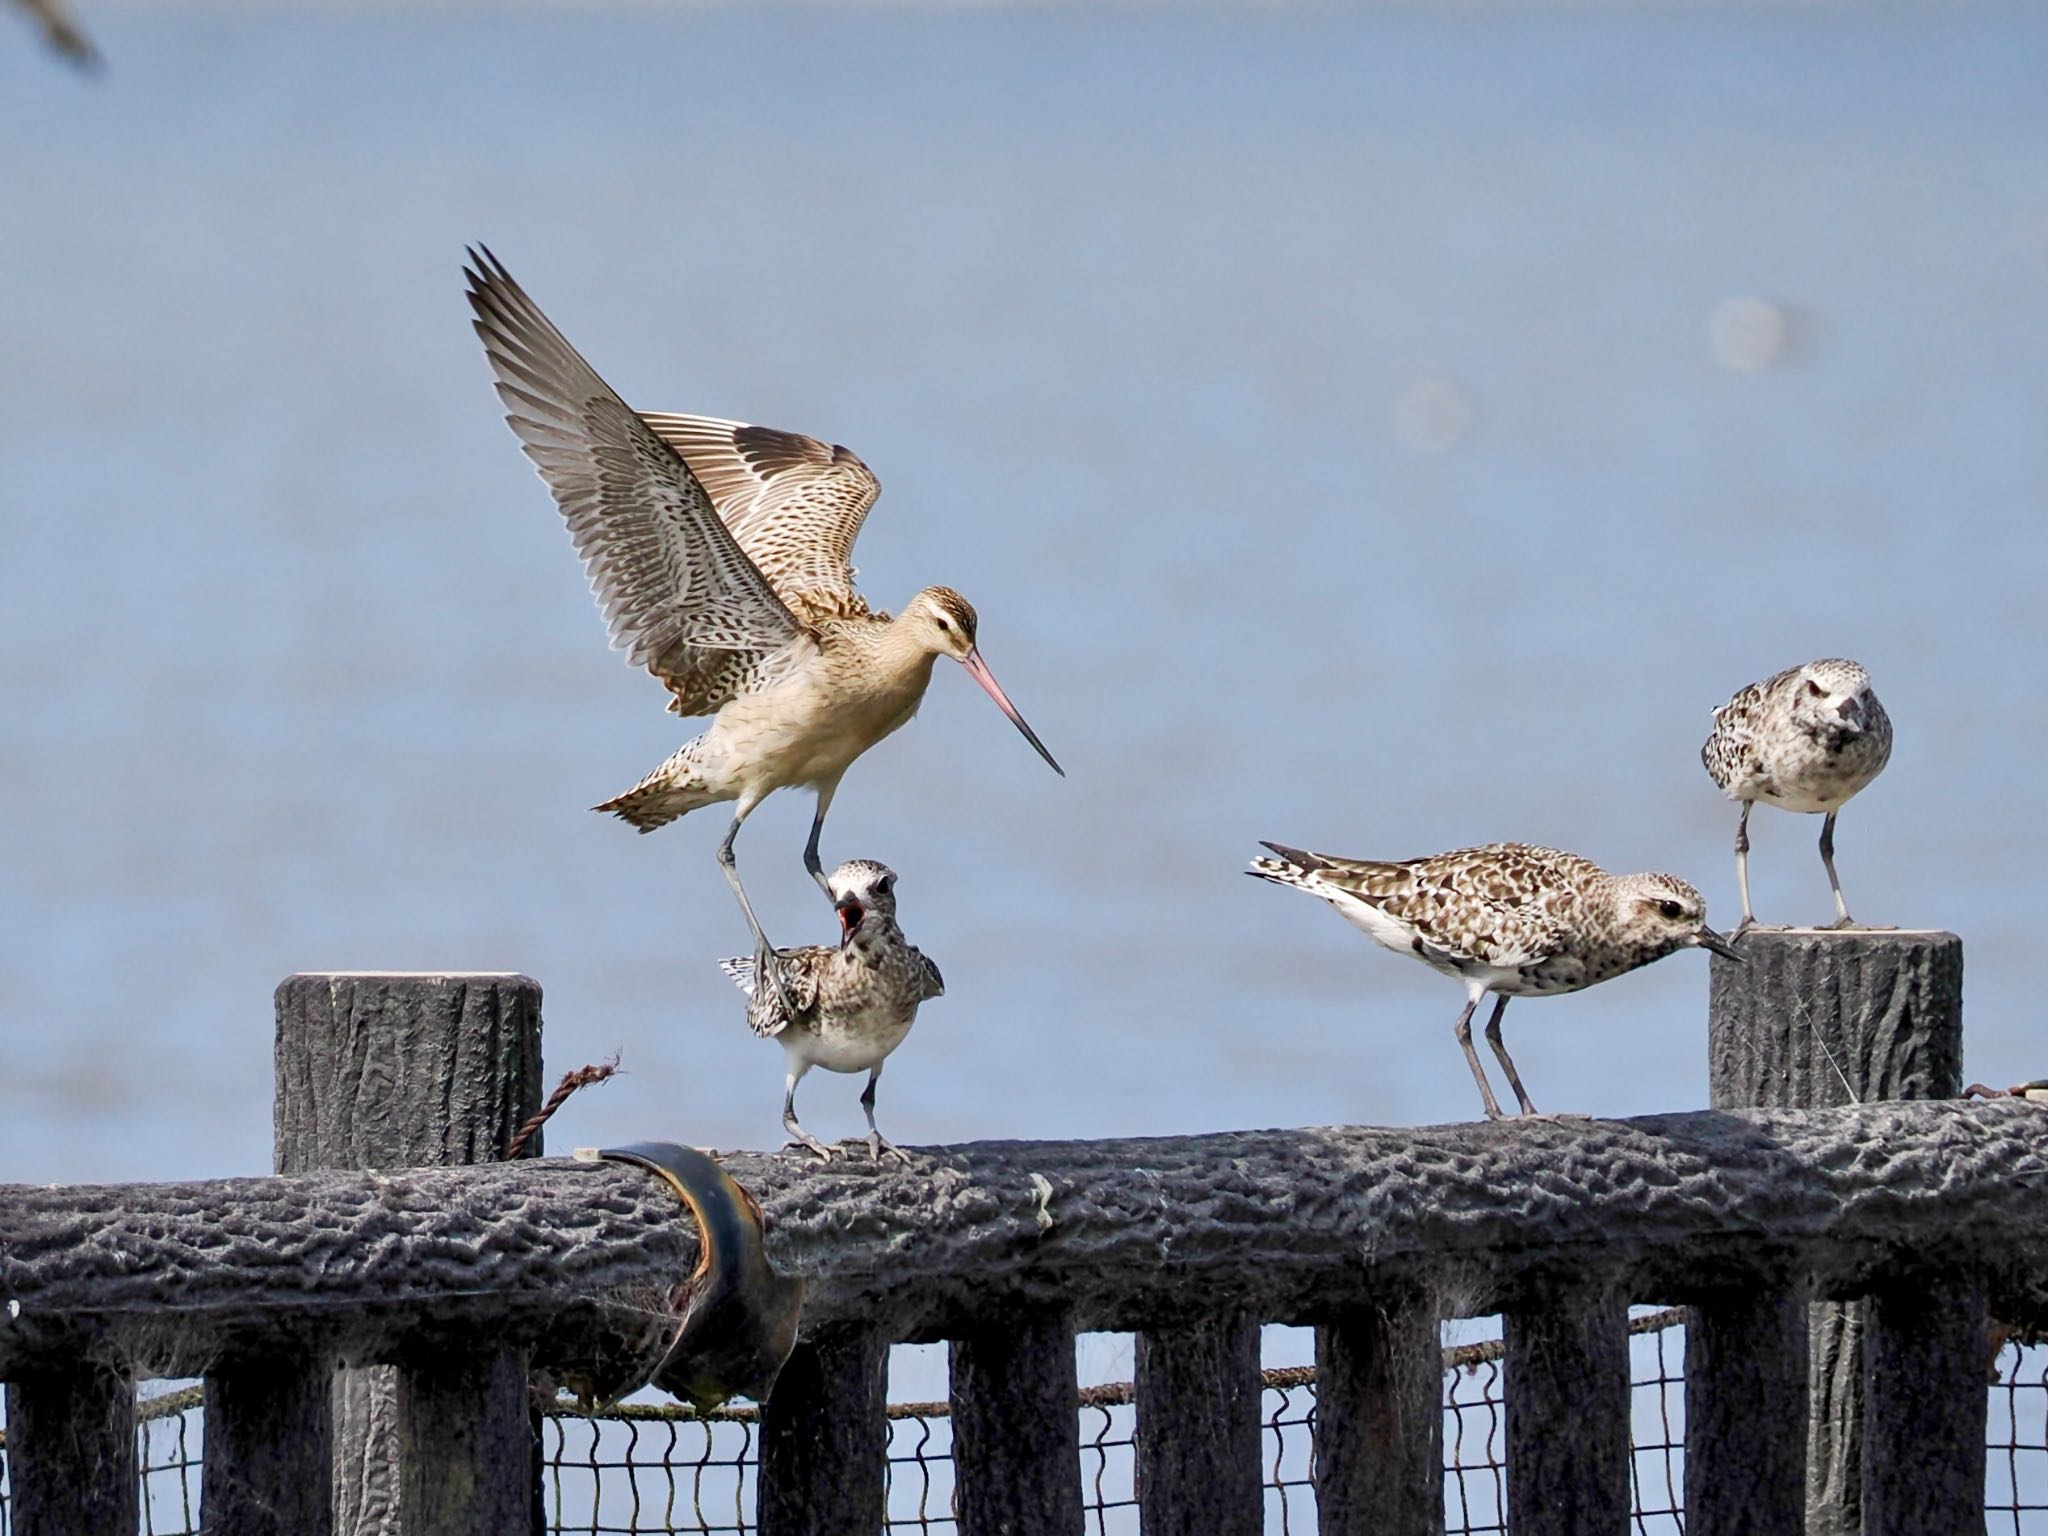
719	553
1805	740
850	1004
1508	918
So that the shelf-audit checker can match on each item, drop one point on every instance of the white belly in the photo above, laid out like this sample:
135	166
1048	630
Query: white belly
857	1044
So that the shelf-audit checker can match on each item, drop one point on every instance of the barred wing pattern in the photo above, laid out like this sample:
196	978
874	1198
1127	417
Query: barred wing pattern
795	504
679	595
799	969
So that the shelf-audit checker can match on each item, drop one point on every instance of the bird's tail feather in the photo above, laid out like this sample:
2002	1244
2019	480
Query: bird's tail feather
674	789
741	969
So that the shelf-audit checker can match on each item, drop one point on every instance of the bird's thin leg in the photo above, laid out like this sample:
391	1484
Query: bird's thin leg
1472	1056
811	862
1493	1039
878	1144
730	864
798	1136
1827	857
1742	868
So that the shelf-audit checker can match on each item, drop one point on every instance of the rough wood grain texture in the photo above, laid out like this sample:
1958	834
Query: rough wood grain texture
1379	1422
825	1438
1566	1386
397	1071
268	1454
1286	1225
71	1452
1016	1437
403	1071
1819	1017
1924	1354
465	1437
1198	1394
1745	1414
1886	1007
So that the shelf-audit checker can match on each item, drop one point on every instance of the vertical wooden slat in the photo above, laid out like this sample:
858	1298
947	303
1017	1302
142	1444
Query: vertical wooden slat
825	1438
1567	1394
1380	1423
398	1071
1926	1349
1016	1428
1745	1415
465	1437
71	1453
1822	1018
1198	1393
267	1464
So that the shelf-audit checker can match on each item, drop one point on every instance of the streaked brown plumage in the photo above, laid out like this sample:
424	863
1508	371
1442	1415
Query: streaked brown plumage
719	554
848	1006
1507	918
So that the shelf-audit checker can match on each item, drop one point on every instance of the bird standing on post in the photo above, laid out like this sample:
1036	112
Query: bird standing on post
1805	740
1509	919
848	1007
720	555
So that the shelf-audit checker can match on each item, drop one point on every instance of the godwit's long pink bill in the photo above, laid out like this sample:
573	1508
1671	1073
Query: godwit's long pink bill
978	670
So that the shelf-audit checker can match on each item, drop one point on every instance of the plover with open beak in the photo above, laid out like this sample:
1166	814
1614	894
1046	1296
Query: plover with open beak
1508	918
720	554
851	1004
1805	740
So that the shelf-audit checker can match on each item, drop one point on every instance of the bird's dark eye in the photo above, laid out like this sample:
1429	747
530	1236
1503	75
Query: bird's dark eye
1671	909
1815	689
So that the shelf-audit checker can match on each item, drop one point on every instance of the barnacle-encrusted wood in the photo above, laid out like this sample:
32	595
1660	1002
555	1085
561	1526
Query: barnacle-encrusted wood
1287	1225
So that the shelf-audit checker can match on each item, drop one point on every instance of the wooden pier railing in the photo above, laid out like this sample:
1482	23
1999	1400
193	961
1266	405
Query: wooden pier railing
465	1280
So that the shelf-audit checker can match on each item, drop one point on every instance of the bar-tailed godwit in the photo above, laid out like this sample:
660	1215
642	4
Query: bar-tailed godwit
719	553
1805	740
849	1006
1509	919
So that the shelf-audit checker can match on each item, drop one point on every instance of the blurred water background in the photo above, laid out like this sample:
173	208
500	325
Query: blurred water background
1376	429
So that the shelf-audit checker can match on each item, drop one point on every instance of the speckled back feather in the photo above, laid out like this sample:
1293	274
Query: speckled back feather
795	505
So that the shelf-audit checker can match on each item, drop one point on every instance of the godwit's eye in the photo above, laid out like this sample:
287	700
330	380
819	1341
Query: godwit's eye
1671	910
1815	689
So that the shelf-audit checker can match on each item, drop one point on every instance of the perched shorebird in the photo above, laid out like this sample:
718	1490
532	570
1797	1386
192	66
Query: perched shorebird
720	555
850	1006
1806	740
1508	919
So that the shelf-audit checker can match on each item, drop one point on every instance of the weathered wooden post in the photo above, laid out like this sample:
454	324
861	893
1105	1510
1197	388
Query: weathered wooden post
1819	1017
1016	1434
825	1437
395	1071
1199	1391
71	1452
1567	1392
1379	1419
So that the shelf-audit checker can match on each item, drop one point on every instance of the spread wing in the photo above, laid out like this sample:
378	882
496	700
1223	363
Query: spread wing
679	595
794	504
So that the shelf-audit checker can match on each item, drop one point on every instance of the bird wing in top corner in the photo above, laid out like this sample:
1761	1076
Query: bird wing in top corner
795	504
62	32
680	596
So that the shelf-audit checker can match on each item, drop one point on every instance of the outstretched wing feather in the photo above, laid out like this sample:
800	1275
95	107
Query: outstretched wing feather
679	594
794	504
